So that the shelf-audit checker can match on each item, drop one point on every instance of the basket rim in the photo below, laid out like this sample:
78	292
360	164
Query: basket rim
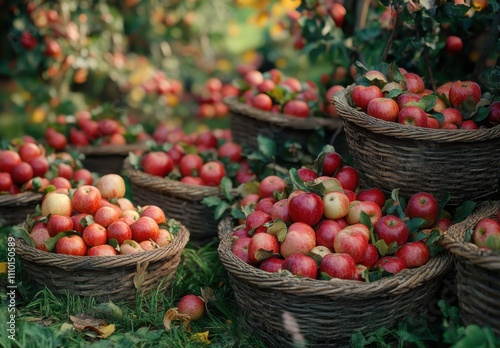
454	239
334	288
20	198
306	123
104	150
395	129
166	185
71	262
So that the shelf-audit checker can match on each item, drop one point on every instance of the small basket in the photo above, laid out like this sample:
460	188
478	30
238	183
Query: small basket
104	277
463	163
478	272
247	122
179	201
327	312
107	159
14	209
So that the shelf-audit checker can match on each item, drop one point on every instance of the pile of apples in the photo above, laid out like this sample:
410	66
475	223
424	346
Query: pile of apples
83	129
275	92
25	166
486	233
202	159
406	100
210	98
315	227
97	221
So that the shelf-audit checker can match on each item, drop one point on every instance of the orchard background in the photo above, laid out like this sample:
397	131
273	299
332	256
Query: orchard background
151	61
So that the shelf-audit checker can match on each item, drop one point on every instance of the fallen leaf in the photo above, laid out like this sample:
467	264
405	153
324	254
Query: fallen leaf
80	321
66	327
91	326
140	275
172	315
207	294
106	309
201	337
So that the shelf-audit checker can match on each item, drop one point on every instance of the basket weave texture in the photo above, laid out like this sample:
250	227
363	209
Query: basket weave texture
247	122
390	155
478	272
179	201
104	277
15	208
327	312
107	159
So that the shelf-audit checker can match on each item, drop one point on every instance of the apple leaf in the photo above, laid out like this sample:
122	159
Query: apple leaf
443	200
393	74
134	160
493	241
316	257
296	181
439	116
463	211
225	187
420	236
373	236
394	93
377	273
360	68
266	146
278	229
22	233
429	101
414	224
262	254
382	247
247	210
468	235
481	114
211	201
114	243
317	165
173	226
87	220
51	242
237	213
247	188
324	276
365	219
221	210
433	243
392	248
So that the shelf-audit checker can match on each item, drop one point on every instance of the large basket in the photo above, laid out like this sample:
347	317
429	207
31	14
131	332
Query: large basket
327	312
107	159
478	272
463	163
179	201
116	278
14	209
247	122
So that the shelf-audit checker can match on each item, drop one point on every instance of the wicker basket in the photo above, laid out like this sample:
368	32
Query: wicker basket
107	159
327	312
478	272
104	277
463	163
247	122
14	209
179	201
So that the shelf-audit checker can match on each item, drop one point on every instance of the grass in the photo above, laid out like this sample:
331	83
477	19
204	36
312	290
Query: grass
43	318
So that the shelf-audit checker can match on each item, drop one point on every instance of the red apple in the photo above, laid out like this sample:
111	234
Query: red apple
423	205
412	116
95	234
191	305
362	95
144	228
414	83
259	243
83	176
370	257
464	95
483	229
332	163
391	264
5	182
337	265
29	151
40	166
164	237
372	209
336	205
111	186
40	234
300	239
206	140
326	231
105	216
154	212
269	184
383	108
254	78
301	265
130	247
71	245
191	180
373	194
414	254
190	165
391	229
453	44
60	182
359	227
8	160
125	204
240	249
279	211
338	12
59	223
452	115
77	222
348	177
230	150
296	108
157	163
353	243
57	204
257	219
432	122
251	198
469	124
494	115
21	173
265	205
86	199
102	250
272	264
65	170
148	245
212	173
307	207
359	272
262	101
405	98
307	174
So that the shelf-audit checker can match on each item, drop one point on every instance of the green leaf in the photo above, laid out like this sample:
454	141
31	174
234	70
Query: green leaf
87	220
278	229
450	11
433	243
266	146
211	201
429	101
394	93
22	233
51	242
263	254
463	211
297	182
382	247
225	187
481	114
414	224
373	236
221	210
493	242
324	276
395	75
439	116
468	235
237	213
365	219
135	160
247	188
377	273
420	236
392	248
114	243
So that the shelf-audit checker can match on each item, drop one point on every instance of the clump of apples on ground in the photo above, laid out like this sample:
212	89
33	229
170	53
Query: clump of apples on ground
98	221
317	223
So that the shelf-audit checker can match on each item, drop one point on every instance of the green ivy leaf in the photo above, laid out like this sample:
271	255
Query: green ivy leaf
463	211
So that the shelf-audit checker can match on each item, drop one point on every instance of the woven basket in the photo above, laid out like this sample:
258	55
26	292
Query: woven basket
328	312
107	159
247	122
179	201
104	277
478	272
463	163
14	209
